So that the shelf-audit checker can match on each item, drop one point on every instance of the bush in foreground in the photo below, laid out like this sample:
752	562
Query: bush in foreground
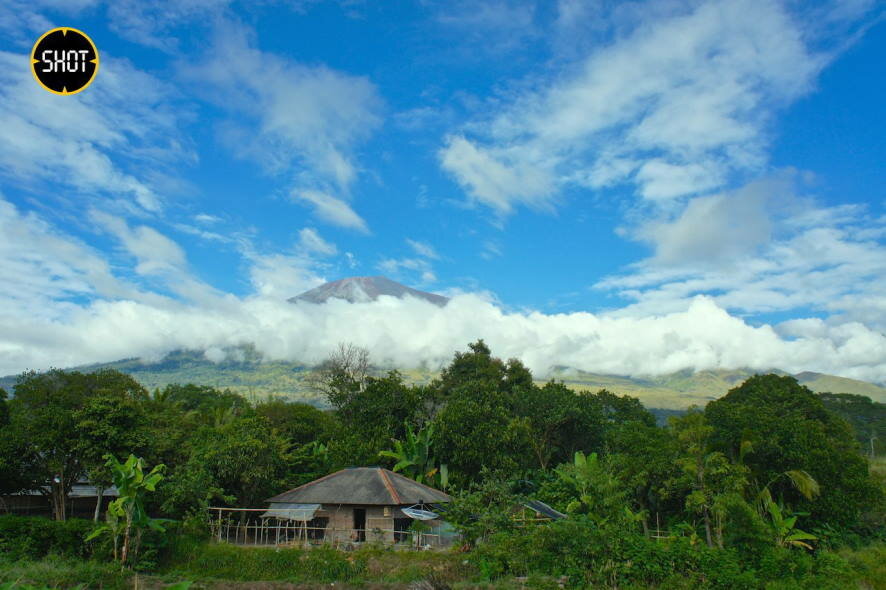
593	556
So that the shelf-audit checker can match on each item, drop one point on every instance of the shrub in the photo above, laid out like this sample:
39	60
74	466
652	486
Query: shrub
591	555
33	537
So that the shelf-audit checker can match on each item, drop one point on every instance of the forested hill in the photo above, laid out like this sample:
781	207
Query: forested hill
249	375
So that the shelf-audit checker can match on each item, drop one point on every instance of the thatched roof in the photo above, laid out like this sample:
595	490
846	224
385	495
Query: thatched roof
371	486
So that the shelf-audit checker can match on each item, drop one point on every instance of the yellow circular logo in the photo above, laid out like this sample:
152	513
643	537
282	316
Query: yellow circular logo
64	61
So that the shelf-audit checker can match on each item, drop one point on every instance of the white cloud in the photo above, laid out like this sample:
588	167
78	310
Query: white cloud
423	249
62	306
311	242
418	267
43	268
22	21
154	252
410	332
332	210
302	120
106	140
207	219
674	104
491	249
149	21
761	249
279	276
493	179
484	26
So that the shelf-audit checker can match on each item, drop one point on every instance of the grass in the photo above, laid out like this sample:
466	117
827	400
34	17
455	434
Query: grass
225	567
58	572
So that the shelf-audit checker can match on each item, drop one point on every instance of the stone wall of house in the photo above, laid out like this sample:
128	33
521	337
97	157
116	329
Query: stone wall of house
341	523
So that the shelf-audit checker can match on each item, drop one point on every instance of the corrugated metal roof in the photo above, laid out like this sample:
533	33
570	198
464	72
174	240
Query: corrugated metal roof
78	490
290	511
372	486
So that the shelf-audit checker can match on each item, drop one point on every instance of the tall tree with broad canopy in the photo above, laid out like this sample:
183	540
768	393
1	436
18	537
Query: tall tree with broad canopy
559	421
789	429
54	413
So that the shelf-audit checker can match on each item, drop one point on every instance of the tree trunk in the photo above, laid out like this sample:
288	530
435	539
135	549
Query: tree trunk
99	491
126	538
58	497
707	527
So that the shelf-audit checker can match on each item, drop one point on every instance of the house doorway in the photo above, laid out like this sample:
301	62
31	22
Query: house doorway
360	524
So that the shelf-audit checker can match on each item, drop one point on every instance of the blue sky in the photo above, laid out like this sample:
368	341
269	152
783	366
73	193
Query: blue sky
599	184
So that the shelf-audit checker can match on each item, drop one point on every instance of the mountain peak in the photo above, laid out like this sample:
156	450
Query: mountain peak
364	289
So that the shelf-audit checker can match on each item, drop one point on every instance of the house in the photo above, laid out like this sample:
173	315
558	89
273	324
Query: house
360	504
81	501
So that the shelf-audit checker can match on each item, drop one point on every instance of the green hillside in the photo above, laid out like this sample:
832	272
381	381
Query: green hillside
251	376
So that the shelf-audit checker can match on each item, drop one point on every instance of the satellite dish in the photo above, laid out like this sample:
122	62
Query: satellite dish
419	514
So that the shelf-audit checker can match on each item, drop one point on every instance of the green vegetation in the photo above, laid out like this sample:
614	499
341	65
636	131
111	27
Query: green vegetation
246	373
765	487
867	417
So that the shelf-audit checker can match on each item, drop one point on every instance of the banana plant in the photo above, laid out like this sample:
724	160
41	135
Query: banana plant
126	516
784	528
415	459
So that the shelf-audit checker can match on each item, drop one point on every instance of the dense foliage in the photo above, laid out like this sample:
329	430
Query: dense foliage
867	417
763	480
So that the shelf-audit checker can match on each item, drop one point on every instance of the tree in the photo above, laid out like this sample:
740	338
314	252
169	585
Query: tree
621	409
560	422
311	461
46	413
644	458
298	422
867	417
475	430
479	370
713	481
343	373
4	408
594	491
484	508
202	399
108	424
244	458
784	529
371	416
789	429
14	459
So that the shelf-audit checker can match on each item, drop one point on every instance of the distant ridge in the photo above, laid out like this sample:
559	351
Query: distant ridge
364	289
246	372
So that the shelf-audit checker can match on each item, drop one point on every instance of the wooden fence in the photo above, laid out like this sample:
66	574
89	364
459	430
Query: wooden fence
246	526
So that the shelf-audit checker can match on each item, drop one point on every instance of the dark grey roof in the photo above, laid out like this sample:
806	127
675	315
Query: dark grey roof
371	486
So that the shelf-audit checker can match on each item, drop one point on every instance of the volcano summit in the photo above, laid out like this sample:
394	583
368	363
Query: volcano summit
365	289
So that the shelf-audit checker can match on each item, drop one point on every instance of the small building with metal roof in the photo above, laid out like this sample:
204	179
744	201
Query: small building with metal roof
361	504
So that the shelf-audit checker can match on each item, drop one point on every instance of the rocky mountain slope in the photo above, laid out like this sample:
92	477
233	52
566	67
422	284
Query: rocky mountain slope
363	289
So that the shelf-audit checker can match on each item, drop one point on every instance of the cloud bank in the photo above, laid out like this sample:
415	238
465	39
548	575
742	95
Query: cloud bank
411	333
